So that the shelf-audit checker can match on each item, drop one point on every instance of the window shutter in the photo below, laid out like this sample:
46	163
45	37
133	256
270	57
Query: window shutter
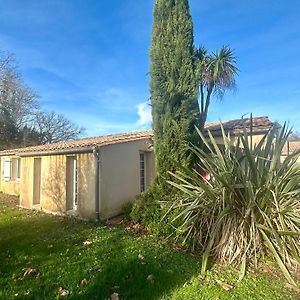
7	169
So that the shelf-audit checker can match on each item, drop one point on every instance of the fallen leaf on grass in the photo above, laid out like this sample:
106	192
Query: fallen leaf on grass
86	243
141	257
114	296
83	281
63	292
150	278
292	287
28	271
224	285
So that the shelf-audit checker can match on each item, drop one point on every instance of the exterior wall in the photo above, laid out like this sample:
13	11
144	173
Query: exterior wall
11	187
119	179
86	185
120	174
53	184
26	192
53	191
255	138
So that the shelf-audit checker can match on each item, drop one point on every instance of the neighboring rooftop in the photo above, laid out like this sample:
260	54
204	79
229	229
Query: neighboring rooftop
291	147
260	125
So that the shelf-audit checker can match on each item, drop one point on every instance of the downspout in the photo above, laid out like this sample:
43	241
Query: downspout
96	152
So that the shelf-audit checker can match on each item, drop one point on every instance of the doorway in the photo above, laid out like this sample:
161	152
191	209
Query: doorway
37	167
71	182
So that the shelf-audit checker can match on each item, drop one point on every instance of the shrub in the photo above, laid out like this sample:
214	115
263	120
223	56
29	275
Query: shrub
127	208
150	207
250	207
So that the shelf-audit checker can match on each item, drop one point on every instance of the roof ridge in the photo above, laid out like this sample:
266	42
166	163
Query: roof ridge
86	142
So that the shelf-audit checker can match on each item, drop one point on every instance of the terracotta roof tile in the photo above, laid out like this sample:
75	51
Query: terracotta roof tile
99	141
291	147
260	124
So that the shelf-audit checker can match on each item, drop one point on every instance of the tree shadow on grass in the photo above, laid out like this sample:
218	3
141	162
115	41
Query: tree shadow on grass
128	275
55	248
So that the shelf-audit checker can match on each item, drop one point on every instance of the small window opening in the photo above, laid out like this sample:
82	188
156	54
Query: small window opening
142	172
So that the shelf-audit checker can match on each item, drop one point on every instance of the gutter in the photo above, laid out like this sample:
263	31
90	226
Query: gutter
52	152
96	152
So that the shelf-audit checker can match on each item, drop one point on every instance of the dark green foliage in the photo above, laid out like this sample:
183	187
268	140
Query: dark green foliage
11	136
126	209
8	131
152	209
173	85
175	108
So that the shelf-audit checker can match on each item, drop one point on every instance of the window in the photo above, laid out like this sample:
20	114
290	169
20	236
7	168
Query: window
142	172
12	169
15	168
18	168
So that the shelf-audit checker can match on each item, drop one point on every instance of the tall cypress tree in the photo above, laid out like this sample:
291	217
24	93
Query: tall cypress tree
173	86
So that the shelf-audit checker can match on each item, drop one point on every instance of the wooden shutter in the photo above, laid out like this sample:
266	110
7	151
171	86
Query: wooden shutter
7	169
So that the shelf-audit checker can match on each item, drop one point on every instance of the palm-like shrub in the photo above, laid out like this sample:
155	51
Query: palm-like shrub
249	208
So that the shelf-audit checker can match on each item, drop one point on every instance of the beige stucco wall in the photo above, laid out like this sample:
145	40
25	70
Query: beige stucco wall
53	184
255	139
86	185
120	174
119	179
11	187
53	171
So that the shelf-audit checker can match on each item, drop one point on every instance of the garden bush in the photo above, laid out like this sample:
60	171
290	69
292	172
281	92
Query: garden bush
151	209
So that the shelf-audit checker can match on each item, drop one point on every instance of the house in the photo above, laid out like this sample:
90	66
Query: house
260	126
291	147
93	177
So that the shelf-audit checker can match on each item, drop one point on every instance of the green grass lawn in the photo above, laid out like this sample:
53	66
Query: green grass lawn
39	254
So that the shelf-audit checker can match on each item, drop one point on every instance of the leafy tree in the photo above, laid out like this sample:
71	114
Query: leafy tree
173	84
215	74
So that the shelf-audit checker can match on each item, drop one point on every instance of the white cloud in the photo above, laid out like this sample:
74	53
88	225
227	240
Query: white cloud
144	113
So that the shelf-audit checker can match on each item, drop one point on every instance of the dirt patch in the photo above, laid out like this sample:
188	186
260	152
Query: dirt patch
9	200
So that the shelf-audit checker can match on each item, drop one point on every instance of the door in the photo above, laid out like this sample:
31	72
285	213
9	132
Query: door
37	167
71	182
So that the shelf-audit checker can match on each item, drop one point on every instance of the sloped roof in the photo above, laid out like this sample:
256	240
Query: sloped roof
260	125
84	143
291	147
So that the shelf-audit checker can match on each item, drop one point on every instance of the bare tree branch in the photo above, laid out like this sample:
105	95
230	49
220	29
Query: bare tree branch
52	127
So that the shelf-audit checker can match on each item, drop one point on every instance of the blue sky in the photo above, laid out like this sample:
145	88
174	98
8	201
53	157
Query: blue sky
90	59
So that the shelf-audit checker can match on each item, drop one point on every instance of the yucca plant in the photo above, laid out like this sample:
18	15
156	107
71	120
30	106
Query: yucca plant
249	208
